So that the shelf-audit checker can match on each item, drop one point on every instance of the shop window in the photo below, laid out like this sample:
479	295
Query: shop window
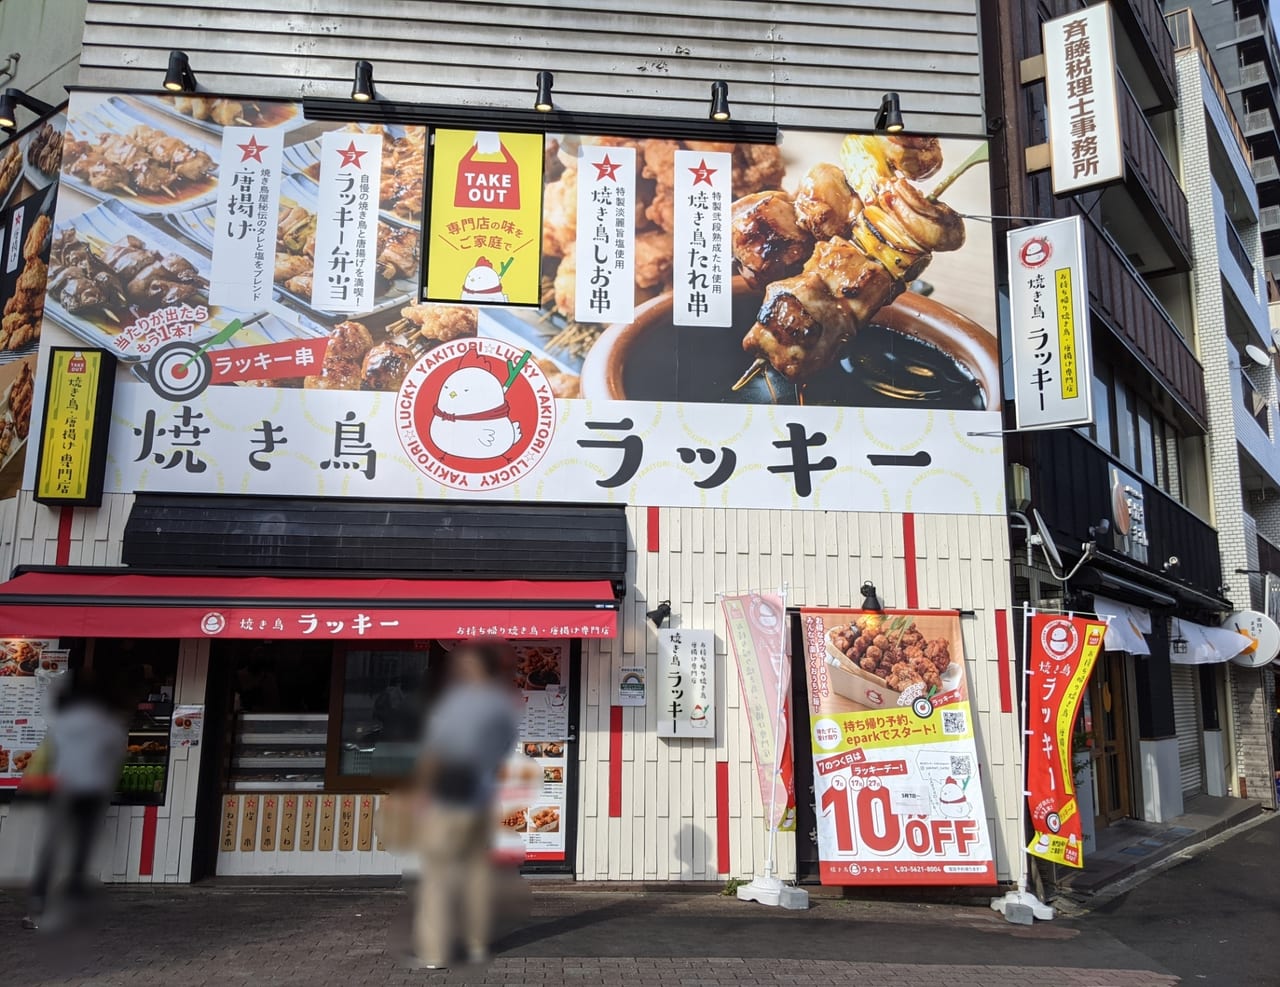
138	677
1102	432
375	727
1146	442
1126	447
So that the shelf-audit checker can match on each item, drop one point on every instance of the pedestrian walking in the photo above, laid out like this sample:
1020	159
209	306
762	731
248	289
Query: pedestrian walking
86	747
468	735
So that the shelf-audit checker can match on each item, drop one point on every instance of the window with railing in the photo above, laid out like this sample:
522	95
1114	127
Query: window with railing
1238	251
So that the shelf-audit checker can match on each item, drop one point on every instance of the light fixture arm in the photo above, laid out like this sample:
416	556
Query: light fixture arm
11	65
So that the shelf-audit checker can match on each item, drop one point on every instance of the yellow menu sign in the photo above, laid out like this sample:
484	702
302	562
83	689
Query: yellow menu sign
484	243
73	436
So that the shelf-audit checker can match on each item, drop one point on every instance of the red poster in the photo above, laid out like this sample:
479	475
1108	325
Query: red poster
1061	654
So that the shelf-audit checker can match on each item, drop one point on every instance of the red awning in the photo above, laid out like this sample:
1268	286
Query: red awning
119	603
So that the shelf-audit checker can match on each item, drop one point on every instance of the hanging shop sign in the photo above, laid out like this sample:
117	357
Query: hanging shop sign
75	426
1049	309
486	219
1061	655
756	625
1082	99
896	779
649	374
1128	515
28	191
1262	632
686	684
1127	626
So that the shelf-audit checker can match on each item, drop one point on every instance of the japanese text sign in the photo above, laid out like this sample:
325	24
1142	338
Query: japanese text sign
73	437
346	251
606	238
1049	322
756	625
1084	110
248	208
485	236
703	257
1129	515
896	774
686	684
1061	655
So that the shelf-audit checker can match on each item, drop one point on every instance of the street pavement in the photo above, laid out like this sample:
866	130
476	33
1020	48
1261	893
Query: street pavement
1207	918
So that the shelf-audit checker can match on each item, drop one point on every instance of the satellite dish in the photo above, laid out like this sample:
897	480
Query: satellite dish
1258	355
1046	539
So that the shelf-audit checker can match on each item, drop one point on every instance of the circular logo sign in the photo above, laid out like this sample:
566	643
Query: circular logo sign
1262	631
1060	638
1035	252
213	622
475	414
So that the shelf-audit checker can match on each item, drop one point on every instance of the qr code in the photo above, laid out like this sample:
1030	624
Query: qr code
961	765
954	722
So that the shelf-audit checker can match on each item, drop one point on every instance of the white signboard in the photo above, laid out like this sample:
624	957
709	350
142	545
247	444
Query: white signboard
703	258
1262	632
347	233
1083	105
686	684
606	243
1049	323
248	214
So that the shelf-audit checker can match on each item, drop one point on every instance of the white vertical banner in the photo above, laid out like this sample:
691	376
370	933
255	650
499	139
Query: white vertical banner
1082	99
1049	325
347	222
15	241
686	684
606	245
246	218
703	256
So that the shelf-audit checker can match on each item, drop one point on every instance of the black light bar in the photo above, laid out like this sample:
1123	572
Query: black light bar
535	122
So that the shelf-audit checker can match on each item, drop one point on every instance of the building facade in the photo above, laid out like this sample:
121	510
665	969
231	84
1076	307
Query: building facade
633	805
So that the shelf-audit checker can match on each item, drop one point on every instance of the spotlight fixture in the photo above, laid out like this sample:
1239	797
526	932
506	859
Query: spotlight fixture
869	599
542	102
889	116
719	101
658	616
12	99
362	90
179	78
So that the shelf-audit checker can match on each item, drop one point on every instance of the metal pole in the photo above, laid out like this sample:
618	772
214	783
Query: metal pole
778	746
1027	614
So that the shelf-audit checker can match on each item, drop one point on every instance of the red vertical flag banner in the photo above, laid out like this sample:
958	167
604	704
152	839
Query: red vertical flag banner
1061	654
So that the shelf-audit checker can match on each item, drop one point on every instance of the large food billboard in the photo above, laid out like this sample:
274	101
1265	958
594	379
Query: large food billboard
809	324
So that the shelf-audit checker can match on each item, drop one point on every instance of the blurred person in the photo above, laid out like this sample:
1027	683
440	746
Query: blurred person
468	736
87	746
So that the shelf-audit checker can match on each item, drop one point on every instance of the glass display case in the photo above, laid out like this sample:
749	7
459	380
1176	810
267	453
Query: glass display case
278	752
144	777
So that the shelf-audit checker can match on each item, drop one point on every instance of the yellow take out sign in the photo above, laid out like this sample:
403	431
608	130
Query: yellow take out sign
485	231
73	435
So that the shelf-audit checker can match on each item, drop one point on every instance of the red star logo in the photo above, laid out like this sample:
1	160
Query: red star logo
702	173
253	150
606	169
350	156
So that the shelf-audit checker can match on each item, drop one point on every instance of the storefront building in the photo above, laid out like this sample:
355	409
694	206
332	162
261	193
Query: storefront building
1127	499
318	477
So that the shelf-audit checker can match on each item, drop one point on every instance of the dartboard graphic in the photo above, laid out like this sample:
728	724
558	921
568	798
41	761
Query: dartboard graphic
179	371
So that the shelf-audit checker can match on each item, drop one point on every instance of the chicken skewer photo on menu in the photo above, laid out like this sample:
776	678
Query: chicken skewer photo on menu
845	245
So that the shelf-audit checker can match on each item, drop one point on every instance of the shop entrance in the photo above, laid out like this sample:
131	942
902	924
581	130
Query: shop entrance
1106	723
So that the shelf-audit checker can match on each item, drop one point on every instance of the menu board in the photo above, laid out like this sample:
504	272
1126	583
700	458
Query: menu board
28	671
533	797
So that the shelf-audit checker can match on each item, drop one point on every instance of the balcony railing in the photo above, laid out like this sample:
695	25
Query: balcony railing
1248	27
1254	74
1254	403
1236	246
1147	18
1186	34
1269	218
1257	122
1147	161
1266	170
1134	314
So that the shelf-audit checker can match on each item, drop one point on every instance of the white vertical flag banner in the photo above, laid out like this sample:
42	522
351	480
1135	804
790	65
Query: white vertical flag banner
246	218
1083	103
703	255
606	246
347	222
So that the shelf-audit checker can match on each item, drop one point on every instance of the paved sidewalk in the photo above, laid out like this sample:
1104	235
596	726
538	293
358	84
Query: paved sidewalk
184	937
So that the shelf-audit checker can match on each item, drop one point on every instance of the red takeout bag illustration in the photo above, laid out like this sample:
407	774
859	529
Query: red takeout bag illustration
486	183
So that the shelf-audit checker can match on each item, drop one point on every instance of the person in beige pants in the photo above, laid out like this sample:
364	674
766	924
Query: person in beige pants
468	736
